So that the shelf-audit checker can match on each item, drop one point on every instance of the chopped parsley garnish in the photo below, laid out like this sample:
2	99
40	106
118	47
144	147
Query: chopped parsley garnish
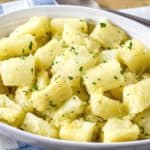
130	45
115	77
122	71
74	97
52	104
81	20
23	51
30	45
32	70
26	92
23	57
103	25
70	77
73	50
64	45
81	68
47	33
94	83
34	87
98	79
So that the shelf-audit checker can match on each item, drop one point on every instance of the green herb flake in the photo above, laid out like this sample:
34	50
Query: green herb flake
26	92
115	77
32	70
122	71
94	83
30	45
81	68
70	77
103	25
81	20
78	92
23	57
130	45
52	104
73	50
34	87
23	51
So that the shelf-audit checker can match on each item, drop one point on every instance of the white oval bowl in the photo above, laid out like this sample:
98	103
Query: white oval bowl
10	21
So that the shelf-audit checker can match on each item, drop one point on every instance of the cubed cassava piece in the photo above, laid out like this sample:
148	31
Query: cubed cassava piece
105	76
119	130
42	79
137	96
73	62
108	55
45	55
106	107
71	37
22	96
108	35
10	112
143	121
17	46
18	71
69	110
130	78
57	25
39	126
53	95
78	130
135	56
37	26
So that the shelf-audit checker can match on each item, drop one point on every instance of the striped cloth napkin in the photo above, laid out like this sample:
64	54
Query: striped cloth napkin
10	144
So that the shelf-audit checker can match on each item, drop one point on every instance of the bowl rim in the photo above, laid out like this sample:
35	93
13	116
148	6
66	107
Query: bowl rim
29	135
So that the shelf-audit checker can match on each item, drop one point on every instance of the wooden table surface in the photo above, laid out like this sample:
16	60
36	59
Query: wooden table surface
121	4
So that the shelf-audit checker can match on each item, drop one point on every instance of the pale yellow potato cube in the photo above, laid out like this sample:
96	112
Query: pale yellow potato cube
38	26
72	37
137	96
10	112
143	121
108	35
39	126
105	76
44	55
52	96
135	56
57	25
43	79
73	63
22	96
18	71
106	107
120	130
78	130
71	109
17	46
130	78
108	55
